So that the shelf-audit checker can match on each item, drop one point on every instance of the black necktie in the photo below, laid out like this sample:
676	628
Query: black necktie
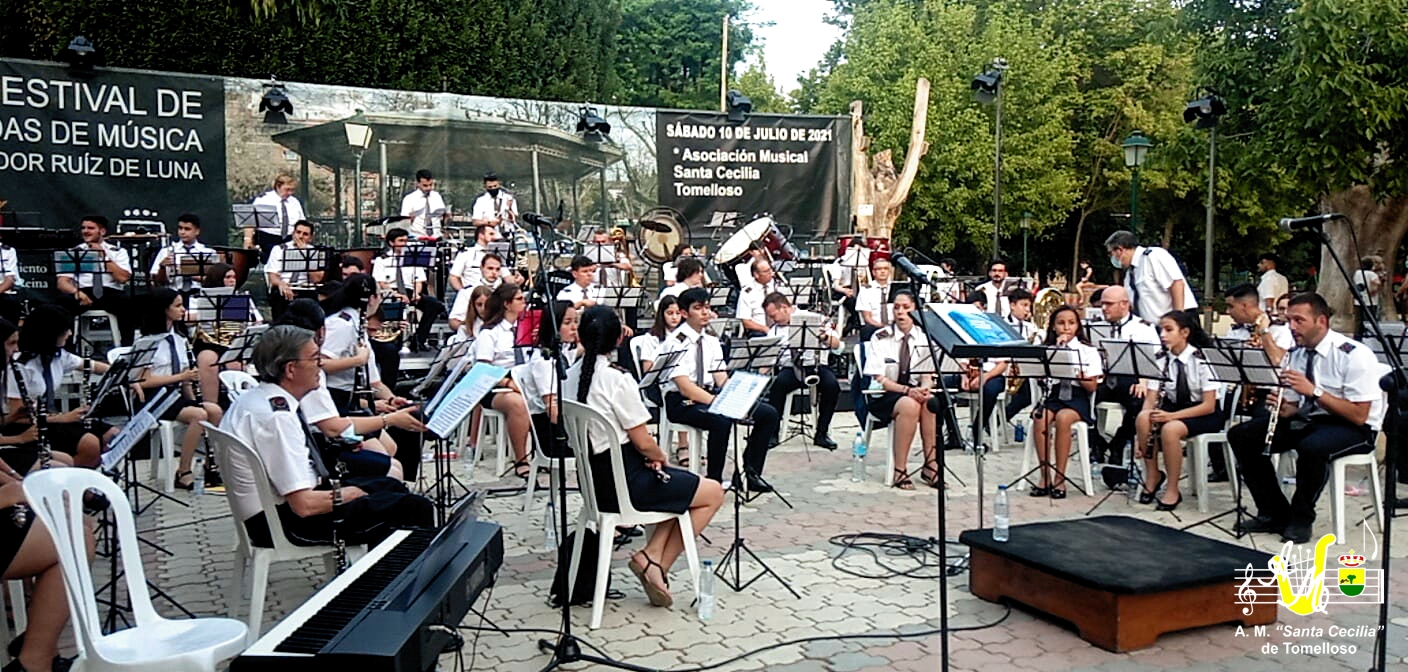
315	458
1118	327
904	362
1134	289
98	277
48	372
175	357
427	215
1307	403
400	274
1182	396
283	215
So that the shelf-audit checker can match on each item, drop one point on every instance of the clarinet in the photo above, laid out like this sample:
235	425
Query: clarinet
195	390
88	393
1276	397
338	544
361	386
37	413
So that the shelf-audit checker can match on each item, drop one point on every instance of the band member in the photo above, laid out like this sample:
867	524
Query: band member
1066	401
171	367
1153	278
106	290
464	270
689	391
615	274
44	362
596	383
496	208
646	349
994	381
468	317
19	437
689	274
165	267
208	349
288	211
495	345
1127	391
422	204
11	307
873	299
750	299
1331	407
993	300
282	285
346	352
583	292
364	510
1182	407
391	274
1252	323
537	378
1272	284
743	270
793	367
894	353
669	271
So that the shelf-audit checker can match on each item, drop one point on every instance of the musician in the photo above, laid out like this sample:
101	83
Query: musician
993	300
208	350
1332	407
669	271
171	367
1272	285
893	354
594	382
538	381
616	274
19	438
794	367
583	292
750	299
689	391
11	307
1126	391
495	344
1153	278
408	283
743	270
1020	318
1251	323
282	285
1182	407
346	350
43	363
873	299
846	270
105	291
288	211
364	510
465	269
1065	402
689	274
421	204
165	266
496	207
468	316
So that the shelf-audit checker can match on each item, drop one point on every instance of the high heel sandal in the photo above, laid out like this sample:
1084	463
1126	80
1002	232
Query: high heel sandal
183	484
901	481
1147	496
658	596
930	475
1039	491
521	469
682	457
1164	506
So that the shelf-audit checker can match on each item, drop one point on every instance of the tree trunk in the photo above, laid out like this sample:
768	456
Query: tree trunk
1379	226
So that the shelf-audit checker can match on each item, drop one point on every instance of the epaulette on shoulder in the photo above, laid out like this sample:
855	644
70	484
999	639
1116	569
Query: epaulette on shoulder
681	337
1198	354
883	333
278	404
1348	346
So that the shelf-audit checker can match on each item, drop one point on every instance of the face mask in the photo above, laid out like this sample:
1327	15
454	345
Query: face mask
494	192
1115	261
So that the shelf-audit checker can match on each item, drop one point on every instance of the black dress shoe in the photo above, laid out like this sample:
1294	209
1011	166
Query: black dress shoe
1260	525
1298	533
824	441
1219	476
755	483
1401	503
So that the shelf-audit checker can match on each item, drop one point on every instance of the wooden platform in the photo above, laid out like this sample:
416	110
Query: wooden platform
1120	581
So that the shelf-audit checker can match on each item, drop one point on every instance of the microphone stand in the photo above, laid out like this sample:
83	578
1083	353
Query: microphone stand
568	648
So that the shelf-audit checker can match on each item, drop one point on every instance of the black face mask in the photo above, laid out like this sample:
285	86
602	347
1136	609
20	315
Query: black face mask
493	192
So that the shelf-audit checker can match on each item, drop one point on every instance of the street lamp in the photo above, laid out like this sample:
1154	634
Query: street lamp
359	138
987	88
1136	149
1026	229
1206	111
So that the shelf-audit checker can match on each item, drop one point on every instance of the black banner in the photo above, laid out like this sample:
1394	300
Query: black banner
784	166
118	140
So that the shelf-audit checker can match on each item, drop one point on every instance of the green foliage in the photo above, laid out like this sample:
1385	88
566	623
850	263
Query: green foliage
757	84
667	51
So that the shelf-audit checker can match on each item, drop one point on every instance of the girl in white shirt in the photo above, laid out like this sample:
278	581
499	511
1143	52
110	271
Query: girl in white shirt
1183	406
172	367
42	360
1066	401
647	347
538	378
495	345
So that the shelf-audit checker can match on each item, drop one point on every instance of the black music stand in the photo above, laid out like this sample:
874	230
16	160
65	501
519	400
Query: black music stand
216	307
504	249
192	266
623	299
80	261
805	333
1062	365
1139	361
241	349
251	216
305	260
718	297
457	397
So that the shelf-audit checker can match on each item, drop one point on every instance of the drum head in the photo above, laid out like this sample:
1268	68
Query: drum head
659	246
737	244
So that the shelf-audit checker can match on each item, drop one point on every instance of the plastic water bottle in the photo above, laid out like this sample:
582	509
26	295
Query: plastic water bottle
858	458
198	475
1020	433
1131	484
1000	515
706	590
550	526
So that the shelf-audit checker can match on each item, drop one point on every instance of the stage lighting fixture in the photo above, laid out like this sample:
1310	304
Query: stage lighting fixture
1205	110
80	55
739	106
275	104
988	85
591	125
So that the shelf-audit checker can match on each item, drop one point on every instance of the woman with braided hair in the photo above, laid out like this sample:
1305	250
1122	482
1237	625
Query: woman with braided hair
595	382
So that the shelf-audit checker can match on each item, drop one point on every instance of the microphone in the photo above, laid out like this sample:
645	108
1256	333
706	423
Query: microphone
652	225
537	220
898	260
1293	224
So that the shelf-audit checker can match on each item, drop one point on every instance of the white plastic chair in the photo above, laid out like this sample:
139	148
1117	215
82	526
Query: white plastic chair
1337	485
577	418
237	383
155	643
1080	452
1197	450
224	444
86	317
873	423
538	459
164	450
15	592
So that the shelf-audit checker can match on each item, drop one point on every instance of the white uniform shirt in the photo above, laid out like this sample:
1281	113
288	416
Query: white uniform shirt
1272	286
614	393
1369	283
883	356
1280	334
505	207
161	357
750	302
703	348
291	205
1150	278
385	267
536	378
1197	370
183	284
276	265
1134	329
744	271
874	298
266	419
466	266
1346	369
495	345
318	405
342	338
1091	364
415	205
116	255
809	356
996	302
33	373
646	348
575	292
10	266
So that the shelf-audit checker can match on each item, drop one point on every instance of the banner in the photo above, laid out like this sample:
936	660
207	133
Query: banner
71	145
717	172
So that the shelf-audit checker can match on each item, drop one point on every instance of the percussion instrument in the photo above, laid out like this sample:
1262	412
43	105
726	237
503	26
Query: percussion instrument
763	231
879	247
663	235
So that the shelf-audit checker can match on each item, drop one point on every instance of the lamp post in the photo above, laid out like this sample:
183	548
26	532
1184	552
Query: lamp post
1136	149
987	88
1026	229
359	138
1206	111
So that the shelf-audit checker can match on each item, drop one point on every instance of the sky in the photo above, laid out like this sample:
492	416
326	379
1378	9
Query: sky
797	39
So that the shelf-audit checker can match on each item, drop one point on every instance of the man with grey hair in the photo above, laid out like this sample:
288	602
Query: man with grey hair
363	510
1155	282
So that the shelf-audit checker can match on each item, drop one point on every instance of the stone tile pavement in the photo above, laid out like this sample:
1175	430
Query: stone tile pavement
794	542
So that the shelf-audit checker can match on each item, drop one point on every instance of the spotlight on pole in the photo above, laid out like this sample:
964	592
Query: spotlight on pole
275	104
987	88
739	106
591	125
1205	110
81	56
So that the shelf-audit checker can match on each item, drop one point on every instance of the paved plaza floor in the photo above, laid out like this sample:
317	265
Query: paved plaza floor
835	600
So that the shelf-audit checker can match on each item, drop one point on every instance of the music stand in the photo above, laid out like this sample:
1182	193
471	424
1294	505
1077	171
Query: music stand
718	297
622	299
305	260
1064	366
192	266
442	360
77	261
805	333
444	419
1139	361
504	249
251	216
241	349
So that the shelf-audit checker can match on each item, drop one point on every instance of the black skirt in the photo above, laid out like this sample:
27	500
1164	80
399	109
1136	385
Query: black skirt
647	492
64	436
11	535
1079	402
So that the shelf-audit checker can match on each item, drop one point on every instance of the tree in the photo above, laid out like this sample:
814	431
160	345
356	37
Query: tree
757	84
668	51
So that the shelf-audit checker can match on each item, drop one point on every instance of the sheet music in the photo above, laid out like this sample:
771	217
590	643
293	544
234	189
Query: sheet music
739	395
461	400
141	422
446	384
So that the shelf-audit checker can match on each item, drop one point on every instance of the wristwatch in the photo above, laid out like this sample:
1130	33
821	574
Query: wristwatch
1317	393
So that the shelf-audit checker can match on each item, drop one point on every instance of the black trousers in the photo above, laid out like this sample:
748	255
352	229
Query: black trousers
113	301
1132	405
765	426
828	390
430	310
1316	444
387	507
388	359
11	308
